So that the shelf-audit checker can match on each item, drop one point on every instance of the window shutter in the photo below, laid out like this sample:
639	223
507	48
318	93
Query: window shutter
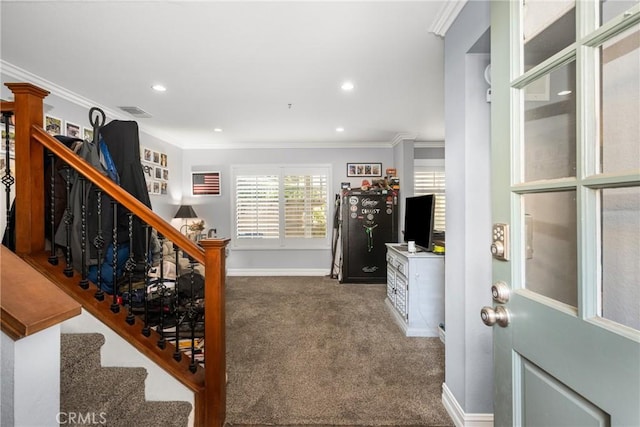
257	207
305	206
431	181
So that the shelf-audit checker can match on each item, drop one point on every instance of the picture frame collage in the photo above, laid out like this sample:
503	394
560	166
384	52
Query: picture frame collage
52	125
364	169
56	126
156	171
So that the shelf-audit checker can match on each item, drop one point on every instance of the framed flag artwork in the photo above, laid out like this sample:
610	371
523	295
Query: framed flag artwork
205	183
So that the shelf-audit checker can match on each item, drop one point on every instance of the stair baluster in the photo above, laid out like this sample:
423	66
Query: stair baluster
53	257
68	221
146	330
84	282
98	242
129	266
192	314
7	179
115	307
177	354
161	290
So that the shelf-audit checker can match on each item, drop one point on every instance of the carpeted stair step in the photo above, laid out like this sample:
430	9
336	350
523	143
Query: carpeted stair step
80	351
110	390
112	394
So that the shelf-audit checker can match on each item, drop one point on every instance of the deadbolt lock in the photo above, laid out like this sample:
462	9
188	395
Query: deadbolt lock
500	292
500	241
499	315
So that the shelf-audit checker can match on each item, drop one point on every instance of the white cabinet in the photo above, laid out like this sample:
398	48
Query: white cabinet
415	290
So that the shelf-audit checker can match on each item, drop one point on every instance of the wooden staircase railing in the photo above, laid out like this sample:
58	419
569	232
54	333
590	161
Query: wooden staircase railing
209	384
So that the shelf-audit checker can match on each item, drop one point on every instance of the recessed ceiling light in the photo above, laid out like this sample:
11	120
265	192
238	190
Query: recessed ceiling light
564	92
217	130
339	129
159	88
347	86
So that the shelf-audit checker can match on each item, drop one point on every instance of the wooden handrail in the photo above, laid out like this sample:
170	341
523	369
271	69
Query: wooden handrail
123	197
6	106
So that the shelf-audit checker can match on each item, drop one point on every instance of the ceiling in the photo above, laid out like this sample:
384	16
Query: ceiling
266	73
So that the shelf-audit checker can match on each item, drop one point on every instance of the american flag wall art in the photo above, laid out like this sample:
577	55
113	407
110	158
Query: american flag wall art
205	183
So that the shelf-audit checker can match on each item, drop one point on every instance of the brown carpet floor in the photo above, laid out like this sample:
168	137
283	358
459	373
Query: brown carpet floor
308	350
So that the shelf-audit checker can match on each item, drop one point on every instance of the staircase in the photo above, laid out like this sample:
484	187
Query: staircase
94	395
27	182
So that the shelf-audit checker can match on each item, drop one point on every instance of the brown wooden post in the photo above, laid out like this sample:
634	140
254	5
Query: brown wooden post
29	171
214	323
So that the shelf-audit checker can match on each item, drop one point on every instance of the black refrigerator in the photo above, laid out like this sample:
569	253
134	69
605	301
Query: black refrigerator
369	220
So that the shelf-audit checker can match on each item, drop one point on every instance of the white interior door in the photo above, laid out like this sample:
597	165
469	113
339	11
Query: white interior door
566	184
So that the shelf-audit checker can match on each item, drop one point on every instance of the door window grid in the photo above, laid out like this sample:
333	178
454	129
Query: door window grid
587	187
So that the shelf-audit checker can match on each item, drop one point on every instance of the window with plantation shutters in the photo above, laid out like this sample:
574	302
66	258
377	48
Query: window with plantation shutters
429	179
281	206
257	207
305	206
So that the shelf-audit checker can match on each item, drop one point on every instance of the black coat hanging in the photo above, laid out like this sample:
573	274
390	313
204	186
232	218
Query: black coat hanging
122	140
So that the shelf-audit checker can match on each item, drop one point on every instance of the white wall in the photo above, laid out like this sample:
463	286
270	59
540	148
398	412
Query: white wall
468	358
30	381
217	211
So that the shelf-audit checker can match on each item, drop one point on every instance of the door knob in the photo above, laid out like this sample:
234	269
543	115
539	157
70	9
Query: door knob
500	292
491	316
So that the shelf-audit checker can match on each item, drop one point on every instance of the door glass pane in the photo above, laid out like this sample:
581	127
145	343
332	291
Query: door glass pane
551	261
550	125
620	94
621	255
549	26
612	8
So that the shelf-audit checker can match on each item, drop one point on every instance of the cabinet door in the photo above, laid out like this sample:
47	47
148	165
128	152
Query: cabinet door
402	296
391	284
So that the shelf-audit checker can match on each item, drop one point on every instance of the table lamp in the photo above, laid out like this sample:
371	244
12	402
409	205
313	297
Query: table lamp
185	212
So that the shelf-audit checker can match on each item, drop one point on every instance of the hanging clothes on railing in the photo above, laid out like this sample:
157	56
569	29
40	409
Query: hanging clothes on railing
93	155
122	140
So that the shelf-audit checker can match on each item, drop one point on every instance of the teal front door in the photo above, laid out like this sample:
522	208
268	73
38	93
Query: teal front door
566	207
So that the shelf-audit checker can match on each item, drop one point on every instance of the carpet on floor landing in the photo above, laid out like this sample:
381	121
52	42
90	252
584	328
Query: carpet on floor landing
309	350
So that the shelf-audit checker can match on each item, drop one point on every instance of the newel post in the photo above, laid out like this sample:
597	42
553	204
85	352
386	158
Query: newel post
214	323
28	102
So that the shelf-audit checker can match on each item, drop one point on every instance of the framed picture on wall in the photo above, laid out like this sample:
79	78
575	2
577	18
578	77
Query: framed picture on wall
364	169
53	125
205	183
73	130
87	134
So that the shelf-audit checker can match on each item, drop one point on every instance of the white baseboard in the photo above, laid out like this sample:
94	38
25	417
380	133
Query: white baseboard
460	419
277	272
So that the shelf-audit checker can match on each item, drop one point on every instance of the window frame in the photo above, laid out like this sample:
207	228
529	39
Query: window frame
281	242
432	165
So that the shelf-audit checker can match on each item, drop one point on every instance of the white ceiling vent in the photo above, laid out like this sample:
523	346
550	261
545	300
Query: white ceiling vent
136	112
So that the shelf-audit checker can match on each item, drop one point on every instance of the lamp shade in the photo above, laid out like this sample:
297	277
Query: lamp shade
186	211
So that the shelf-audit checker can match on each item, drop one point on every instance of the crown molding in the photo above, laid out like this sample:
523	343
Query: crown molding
401	137
446	15
21	74
429	144
55	89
